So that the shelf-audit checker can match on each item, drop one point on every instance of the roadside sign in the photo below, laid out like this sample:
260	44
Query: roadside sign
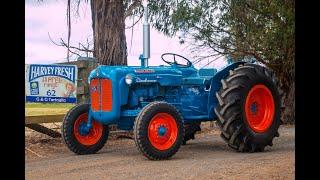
51	83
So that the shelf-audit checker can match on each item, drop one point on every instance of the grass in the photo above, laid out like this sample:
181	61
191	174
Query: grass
47	105
38	109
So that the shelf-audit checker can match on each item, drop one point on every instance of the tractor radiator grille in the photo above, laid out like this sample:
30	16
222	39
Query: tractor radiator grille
101	94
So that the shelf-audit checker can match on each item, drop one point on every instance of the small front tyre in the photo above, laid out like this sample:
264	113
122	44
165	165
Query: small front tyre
77	141
158	131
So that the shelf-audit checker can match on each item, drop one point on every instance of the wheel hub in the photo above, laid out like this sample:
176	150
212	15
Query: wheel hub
254	107
259	108
162	130
83	129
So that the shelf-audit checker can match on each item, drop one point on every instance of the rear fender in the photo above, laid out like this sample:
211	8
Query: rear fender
216	85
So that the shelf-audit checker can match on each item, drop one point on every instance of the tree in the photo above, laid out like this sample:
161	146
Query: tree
108	25
260	29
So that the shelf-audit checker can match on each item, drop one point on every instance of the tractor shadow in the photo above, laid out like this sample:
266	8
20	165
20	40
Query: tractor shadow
209	146
214	144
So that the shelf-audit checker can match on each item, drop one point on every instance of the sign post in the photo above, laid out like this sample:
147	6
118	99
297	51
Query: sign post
51	83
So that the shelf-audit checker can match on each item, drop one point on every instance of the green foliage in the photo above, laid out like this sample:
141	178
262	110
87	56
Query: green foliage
263	29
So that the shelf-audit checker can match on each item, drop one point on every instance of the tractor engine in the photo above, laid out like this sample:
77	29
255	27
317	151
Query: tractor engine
140	95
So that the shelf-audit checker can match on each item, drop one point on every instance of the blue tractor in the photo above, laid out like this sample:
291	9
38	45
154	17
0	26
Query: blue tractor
165	105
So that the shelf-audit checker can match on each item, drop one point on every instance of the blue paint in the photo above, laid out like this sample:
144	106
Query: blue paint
83	129
162	131
142	59
253	108
190	90
50	99
41	70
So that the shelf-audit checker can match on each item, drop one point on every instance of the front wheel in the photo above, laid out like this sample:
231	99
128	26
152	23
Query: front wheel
249	108
73	136
158	131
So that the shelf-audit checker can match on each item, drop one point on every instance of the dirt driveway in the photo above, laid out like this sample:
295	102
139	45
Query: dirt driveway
206	157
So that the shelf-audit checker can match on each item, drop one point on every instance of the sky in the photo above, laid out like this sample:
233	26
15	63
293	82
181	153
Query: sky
49	17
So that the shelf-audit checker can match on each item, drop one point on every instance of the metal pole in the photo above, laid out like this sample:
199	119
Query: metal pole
146	36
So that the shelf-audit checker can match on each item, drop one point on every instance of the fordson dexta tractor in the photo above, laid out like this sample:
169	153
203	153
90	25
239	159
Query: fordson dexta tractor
165	105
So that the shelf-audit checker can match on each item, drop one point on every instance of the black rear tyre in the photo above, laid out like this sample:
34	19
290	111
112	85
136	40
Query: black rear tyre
149	141
236	126
77	143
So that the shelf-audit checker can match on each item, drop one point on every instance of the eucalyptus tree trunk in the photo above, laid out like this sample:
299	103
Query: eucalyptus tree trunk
288	115
108	23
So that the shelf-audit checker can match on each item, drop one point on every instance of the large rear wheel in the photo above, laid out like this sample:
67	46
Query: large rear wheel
249	108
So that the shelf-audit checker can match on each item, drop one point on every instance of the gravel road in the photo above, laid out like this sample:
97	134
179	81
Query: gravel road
206	157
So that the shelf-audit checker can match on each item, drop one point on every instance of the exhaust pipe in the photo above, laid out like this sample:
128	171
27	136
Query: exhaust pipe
146	36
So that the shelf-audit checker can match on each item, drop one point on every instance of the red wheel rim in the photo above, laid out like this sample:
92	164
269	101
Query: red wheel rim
94	134
259	108
162	131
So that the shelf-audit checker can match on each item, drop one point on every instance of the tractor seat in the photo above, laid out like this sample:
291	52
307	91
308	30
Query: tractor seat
204	79
193	80
207	72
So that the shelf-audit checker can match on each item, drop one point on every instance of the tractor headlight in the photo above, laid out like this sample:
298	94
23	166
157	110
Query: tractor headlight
129	79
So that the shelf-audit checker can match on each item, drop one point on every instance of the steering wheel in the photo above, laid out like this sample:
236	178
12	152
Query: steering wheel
189	63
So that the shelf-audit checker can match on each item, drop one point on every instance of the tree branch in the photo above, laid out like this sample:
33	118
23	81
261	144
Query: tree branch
212	61
134	23
69	28
64	44
134	5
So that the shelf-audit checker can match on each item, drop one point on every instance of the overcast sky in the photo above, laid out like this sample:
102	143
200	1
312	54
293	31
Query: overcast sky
50	17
